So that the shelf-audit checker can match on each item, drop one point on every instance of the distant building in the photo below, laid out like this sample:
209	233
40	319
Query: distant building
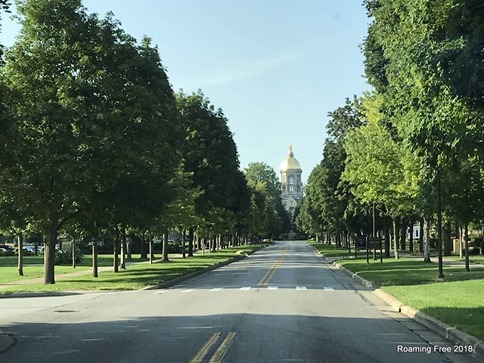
291	184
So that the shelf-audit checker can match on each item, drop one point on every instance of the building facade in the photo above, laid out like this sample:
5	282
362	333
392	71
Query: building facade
291	182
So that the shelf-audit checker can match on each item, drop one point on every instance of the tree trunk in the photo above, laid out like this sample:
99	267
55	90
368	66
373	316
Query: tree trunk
447	239
427	242
150	249
20	264
395	237
421	235
403	234
191	232
116	256
466	245
165	248
440	274
128	247
49	252
461	241
143	253
386	232
410	234
183	244
94	260
124	247
73	253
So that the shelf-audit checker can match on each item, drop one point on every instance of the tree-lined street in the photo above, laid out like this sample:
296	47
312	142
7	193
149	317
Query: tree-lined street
283	303
100	156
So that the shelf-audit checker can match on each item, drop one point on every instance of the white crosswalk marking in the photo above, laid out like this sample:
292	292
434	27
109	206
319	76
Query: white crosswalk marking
246	288
161	292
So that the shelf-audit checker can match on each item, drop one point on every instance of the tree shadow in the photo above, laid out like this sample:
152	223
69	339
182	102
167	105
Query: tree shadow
254	338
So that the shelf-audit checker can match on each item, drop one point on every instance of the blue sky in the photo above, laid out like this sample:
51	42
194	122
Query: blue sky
275	67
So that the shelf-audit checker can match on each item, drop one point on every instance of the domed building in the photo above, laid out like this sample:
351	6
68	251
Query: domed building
291	184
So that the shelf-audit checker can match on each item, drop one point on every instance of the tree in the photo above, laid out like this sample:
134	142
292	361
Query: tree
378	169
433	97
241	207
264	182
210	156
91	129
310	219
334	195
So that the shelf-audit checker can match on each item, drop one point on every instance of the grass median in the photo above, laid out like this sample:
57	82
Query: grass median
136	275
457	299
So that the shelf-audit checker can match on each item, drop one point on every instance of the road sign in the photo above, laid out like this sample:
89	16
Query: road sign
361	242
374	243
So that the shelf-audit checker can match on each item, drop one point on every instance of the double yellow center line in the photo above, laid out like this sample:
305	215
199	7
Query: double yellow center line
270	274
219	353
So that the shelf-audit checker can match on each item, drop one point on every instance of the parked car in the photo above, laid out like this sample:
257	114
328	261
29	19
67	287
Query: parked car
6	250
26	251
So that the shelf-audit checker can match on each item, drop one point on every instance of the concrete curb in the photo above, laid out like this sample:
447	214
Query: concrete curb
449	332
360	279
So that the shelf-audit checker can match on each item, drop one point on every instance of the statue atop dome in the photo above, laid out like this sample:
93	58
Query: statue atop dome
290	162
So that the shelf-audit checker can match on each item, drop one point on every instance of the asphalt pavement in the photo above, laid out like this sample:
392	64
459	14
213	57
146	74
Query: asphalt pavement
282	304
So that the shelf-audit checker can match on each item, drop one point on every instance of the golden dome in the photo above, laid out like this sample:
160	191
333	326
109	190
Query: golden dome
290	163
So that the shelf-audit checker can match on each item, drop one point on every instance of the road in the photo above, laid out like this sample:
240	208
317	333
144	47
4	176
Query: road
281	304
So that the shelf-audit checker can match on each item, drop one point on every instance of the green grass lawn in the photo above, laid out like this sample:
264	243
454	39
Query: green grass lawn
34	266
457	303
136	276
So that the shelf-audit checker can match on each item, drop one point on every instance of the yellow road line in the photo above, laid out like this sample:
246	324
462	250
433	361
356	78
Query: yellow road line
268	276
222	349
206	347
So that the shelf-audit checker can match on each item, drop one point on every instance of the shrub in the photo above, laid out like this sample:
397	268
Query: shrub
63	257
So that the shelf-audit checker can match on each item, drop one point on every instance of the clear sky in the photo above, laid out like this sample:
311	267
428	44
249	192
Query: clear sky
275	67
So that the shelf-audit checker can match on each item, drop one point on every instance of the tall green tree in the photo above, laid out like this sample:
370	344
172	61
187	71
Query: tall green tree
210	156
310	217
95	119
426	60
337	200
378	169
264	181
